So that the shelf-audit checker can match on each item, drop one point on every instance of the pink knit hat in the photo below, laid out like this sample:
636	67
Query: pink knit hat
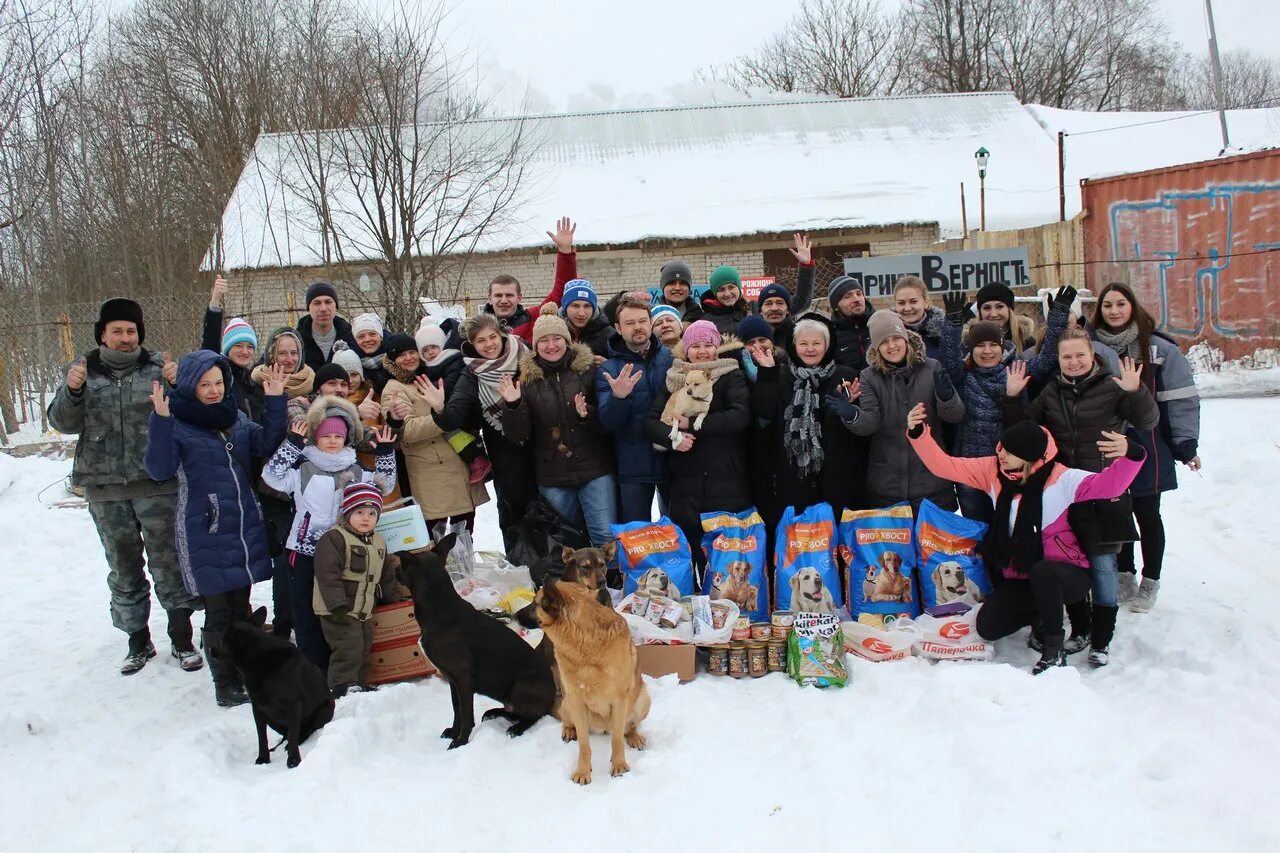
332	426
701	332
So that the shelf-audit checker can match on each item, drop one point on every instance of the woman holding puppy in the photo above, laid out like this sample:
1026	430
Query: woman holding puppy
707	462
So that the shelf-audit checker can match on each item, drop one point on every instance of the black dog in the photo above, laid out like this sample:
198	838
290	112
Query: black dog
288	692
474	652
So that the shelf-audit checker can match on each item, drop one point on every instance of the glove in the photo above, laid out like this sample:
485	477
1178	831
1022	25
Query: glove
842	408
1187	450
942	384
1065	296
955	303
341	615
916	431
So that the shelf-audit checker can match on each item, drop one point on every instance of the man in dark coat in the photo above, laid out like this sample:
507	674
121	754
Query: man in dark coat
587	325
850	312
676	282
322	326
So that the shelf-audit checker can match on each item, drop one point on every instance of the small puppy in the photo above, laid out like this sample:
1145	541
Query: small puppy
887	583
809	594
691	401
288	692
952	584
737	587
603	690
474	652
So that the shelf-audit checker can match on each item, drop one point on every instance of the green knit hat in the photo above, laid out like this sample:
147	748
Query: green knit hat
724	275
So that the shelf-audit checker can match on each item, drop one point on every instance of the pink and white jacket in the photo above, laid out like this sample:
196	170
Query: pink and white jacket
1064	487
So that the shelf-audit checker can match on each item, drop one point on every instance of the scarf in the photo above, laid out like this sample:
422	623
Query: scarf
398	373
1023	547
489	370
330	463
297	384
212	416
1124	342
802	438
438	366
715	369
929	326
119	363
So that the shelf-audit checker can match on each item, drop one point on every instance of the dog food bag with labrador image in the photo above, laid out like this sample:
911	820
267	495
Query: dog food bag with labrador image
878	551
806	578
654	558
953	637
815	651
734	544
952	577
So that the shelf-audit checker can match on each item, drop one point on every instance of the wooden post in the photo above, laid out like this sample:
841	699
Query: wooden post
64	338
292	303
964	220
1062	178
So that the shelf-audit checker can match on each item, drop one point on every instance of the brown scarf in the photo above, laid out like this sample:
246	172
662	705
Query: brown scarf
295	384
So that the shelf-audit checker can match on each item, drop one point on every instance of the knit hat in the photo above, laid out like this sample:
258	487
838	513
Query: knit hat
550	323
119	309
332	425
367	323
398	344
347	359
983	332
771	291
578	290
704	332
356	495
328	373
754	326
429	335
238	331
1026	439
885	324
994	293
321	288
723	275
658	310
673	271
840	285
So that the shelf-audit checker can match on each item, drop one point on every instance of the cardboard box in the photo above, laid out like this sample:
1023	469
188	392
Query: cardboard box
404	528
398	660
659	660
394	622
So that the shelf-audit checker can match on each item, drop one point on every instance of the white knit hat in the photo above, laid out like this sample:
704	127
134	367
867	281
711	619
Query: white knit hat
347	359
429	335
367	323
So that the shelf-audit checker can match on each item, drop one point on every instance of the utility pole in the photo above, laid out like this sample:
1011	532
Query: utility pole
1062	178
1216	64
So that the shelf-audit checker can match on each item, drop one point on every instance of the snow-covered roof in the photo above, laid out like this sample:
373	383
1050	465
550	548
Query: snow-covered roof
771	166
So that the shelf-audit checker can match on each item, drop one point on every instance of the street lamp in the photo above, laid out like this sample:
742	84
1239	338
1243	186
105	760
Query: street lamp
983	156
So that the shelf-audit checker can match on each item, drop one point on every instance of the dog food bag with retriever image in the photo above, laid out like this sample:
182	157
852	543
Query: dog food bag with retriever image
735	547
806	578
952	577
815	651
952	637
654	558
878	551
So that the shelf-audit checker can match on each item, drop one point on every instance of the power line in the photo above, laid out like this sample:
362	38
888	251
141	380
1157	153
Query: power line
1266	102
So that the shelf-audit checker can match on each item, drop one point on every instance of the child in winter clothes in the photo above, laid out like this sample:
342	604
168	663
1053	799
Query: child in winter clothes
352	574
442	367
316	474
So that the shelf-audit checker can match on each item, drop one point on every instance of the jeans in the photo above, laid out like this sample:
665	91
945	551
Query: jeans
975	504
636	501
1106	580
596	501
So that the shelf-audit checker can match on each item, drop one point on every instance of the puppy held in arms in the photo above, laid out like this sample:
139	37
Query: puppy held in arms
693	401
603	690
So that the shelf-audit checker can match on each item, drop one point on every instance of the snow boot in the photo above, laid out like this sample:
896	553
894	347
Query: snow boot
228	691
1099	657
1081	626
141	649
180	635
1128	587
1145	599
1053	654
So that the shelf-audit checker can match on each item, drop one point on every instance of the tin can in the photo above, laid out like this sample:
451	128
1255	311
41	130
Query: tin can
783	619
776	655
640	603
718	659
761	630
738	660
757	658
740	633
781	632
718	615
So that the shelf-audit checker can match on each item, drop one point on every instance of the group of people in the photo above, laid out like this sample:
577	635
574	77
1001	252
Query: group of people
252	459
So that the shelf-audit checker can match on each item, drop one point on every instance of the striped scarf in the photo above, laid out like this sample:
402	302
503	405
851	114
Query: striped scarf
489	371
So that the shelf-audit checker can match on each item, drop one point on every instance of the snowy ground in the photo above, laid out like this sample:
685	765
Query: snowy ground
1172	747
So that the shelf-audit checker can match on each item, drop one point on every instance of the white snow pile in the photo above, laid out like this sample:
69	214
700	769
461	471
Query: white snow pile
1248	376
1174	746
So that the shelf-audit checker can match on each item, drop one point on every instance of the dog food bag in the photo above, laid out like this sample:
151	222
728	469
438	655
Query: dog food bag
815	651
806	577
879	556
734	544
654	558
953	637
878	644
952	577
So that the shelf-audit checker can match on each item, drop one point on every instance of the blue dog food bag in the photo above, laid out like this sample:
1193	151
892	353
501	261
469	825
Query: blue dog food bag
734	544
806	578
952	576
655	557
878	551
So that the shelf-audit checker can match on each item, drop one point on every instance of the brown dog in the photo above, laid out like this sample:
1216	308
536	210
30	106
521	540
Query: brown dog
603	690
737	587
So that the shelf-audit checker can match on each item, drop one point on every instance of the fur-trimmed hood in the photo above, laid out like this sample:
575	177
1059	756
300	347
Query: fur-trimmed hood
337	407
531	369
915	354
726	363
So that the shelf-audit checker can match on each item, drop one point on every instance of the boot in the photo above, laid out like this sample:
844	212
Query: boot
1053	654
1145	599
1128	587
180	635
1078	614
141	649
1104	626
227	689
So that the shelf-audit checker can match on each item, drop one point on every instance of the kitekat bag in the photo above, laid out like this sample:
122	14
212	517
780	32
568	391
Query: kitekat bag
815	651
734	544
806	577
878	550
654	557
952	576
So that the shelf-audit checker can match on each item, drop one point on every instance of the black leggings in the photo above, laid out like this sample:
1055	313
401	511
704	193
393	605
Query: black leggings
1018	603
1146	510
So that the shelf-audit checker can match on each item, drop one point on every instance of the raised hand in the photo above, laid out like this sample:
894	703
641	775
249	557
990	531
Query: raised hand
299	428
218	294
916	417
273	385
580	404
1113	444
383	436
954	303
1016	379
563	236
170	369
1065	296
159	400
400	408
508	388
763	356
1130	378
433	393
623	384
851	390
77	374
803	250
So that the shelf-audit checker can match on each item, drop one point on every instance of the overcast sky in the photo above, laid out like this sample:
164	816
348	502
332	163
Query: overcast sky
575	55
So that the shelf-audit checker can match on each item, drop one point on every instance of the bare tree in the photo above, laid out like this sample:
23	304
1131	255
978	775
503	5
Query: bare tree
1248	80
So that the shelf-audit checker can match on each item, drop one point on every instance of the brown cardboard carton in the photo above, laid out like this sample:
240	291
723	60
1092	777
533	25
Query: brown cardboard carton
394	622
658	660
398	660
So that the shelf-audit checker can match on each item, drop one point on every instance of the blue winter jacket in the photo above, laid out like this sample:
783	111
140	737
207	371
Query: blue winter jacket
221	537
638	462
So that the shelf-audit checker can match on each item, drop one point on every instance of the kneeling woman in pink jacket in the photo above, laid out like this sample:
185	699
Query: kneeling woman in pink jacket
1044	567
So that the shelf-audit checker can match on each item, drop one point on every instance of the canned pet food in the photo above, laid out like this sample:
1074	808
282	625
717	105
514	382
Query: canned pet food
738	660
784	619
781	632
761	630
671	615
654	613
718	659
776	655
640	603
757	659
719	613
686	602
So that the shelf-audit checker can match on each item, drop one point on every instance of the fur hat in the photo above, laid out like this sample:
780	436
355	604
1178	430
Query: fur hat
983	332
673	271
328	373
840	285
119	309
429	335
1026	439
994	293
772	290
703	332
578	290
754	326
321	288
550	323
885	324
356	495
367	323
238	331
346	358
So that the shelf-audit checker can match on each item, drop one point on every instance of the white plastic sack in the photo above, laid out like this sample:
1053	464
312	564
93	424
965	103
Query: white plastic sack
879	644
644	632
952	637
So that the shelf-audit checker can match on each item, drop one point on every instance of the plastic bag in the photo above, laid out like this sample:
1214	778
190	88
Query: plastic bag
879	644
461	557
538	537
952	637
815	651
644	632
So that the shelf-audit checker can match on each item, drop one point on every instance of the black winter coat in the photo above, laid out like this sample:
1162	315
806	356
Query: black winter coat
852	340
594	336
248	394
311	352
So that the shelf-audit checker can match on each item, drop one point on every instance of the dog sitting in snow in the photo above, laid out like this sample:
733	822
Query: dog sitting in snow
692	401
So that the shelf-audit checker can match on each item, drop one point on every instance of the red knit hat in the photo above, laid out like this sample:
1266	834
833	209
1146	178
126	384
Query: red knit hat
357	495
